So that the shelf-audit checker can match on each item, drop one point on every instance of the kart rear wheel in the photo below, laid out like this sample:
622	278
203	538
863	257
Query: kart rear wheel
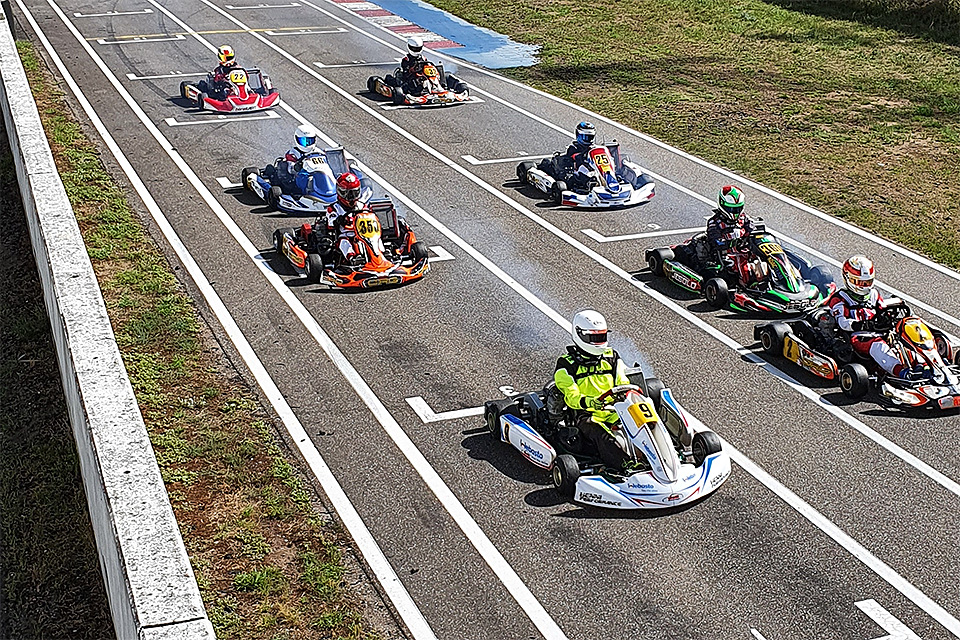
273	197
522	169
772	336
716	293
656	258
245	175
705	444
556	192
418	251
565	474
313	266
201	100
854	380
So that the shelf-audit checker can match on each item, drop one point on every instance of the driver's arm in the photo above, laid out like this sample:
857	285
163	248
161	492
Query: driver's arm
568	386
620	378
843	321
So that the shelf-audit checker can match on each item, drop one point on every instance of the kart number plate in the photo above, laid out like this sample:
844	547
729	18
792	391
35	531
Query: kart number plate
770	248
368	226
643	412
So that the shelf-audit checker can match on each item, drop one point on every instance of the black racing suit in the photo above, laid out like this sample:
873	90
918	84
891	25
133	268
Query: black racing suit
410	68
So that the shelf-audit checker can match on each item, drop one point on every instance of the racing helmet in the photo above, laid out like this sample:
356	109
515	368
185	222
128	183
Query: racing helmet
414	46
858	275
226	55
306	137
917	334
348	191
586	132
589	330
730	203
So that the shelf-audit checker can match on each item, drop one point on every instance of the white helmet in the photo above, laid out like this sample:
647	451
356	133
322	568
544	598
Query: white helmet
306	136
414	45
589	332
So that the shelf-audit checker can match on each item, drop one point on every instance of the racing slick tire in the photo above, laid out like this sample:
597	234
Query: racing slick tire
656	258
245	175
372	84
854	380
492	422
418	251
522	169
772	336
201	100
273	197
313	267
705	444
183	90
556	192
278	238
716	293
652	388
565	474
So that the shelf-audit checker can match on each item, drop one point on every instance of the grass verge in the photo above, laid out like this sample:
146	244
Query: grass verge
269	564
850	105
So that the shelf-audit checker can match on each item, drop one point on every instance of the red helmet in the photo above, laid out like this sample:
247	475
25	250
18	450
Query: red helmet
348	190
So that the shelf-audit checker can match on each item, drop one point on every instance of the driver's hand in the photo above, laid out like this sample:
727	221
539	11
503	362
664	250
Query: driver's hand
594	404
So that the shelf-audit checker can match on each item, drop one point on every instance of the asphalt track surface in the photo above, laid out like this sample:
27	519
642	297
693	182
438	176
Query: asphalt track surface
840	519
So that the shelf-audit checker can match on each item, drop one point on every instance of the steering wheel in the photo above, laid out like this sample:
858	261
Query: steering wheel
620	390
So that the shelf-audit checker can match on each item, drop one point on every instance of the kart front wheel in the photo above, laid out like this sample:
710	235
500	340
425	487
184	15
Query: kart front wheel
183	90
715	290
522	170
273	197
245	175
854	380
705	444
493	424
772	337
656	258
201	100
313	266
372	84
278	238
565	474
418	252
556	192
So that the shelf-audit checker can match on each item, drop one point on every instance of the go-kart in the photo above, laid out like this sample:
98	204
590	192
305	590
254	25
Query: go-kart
815	343
672	463
386	255
432	87
761	276
308	191
601	180
245	90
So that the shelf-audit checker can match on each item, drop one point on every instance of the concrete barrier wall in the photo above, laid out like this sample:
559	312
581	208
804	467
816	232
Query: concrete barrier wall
152	591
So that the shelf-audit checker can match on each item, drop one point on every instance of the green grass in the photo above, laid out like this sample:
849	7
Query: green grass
852	106
246	518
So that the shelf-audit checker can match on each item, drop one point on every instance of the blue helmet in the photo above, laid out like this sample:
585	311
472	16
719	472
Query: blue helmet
586	132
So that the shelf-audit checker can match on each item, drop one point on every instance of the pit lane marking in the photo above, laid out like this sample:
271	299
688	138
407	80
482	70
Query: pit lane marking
110	14
193	74
239	7
756	634
356	63
226	184
896	629
472	160
599	237
304	32
180	35
140	39
442	254
394	107
220	118
428	415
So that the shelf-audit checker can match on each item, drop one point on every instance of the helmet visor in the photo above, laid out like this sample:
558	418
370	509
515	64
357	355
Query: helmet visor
586	137
859	283
592	337
350	195
306	141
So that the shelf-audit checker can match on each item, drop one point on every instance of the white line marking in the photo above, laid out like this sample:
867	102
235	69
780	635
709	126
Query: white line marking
491	555
356	63
226	183
394	107
756	634
112	13
220	118
742	351
896	629
139	40
133	76
425	413
599	237
305	32
239	7
474	161
441	253
378	563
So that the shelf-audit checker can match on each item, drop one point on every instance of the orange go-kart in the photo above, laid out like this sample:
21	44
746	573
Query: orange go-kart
432	87
385	253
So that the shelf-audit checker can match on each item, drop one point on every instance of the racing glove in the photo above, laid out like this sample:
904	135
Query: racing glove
857	325
591	404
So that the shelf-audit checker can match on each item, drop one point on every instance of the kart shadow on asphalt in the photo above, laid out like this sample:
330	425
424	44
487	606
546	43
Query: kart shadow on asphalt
663	286
480	445
183	103
257	206
530	191
582	512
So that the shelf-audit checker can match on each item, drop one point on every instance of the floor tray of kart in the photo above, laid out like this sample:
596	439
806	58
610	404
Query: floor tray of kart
387	251
247	90
311	190
673	462
603	180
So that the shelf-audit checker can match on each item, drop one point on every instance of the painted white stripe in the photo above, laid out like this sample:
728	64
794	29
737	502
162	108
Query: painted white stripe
305	32
742	351
364	540
427	415
474	161
225	183
139	40
240	7
221	118
441	253
133	76
887	621
111	14
357	63
756	634
599	237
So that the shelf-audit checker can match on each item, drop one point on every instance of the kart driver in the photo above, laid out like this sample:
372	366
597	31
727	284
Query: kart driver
854	306
228	62
306	143
586	371
411	65
340	216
